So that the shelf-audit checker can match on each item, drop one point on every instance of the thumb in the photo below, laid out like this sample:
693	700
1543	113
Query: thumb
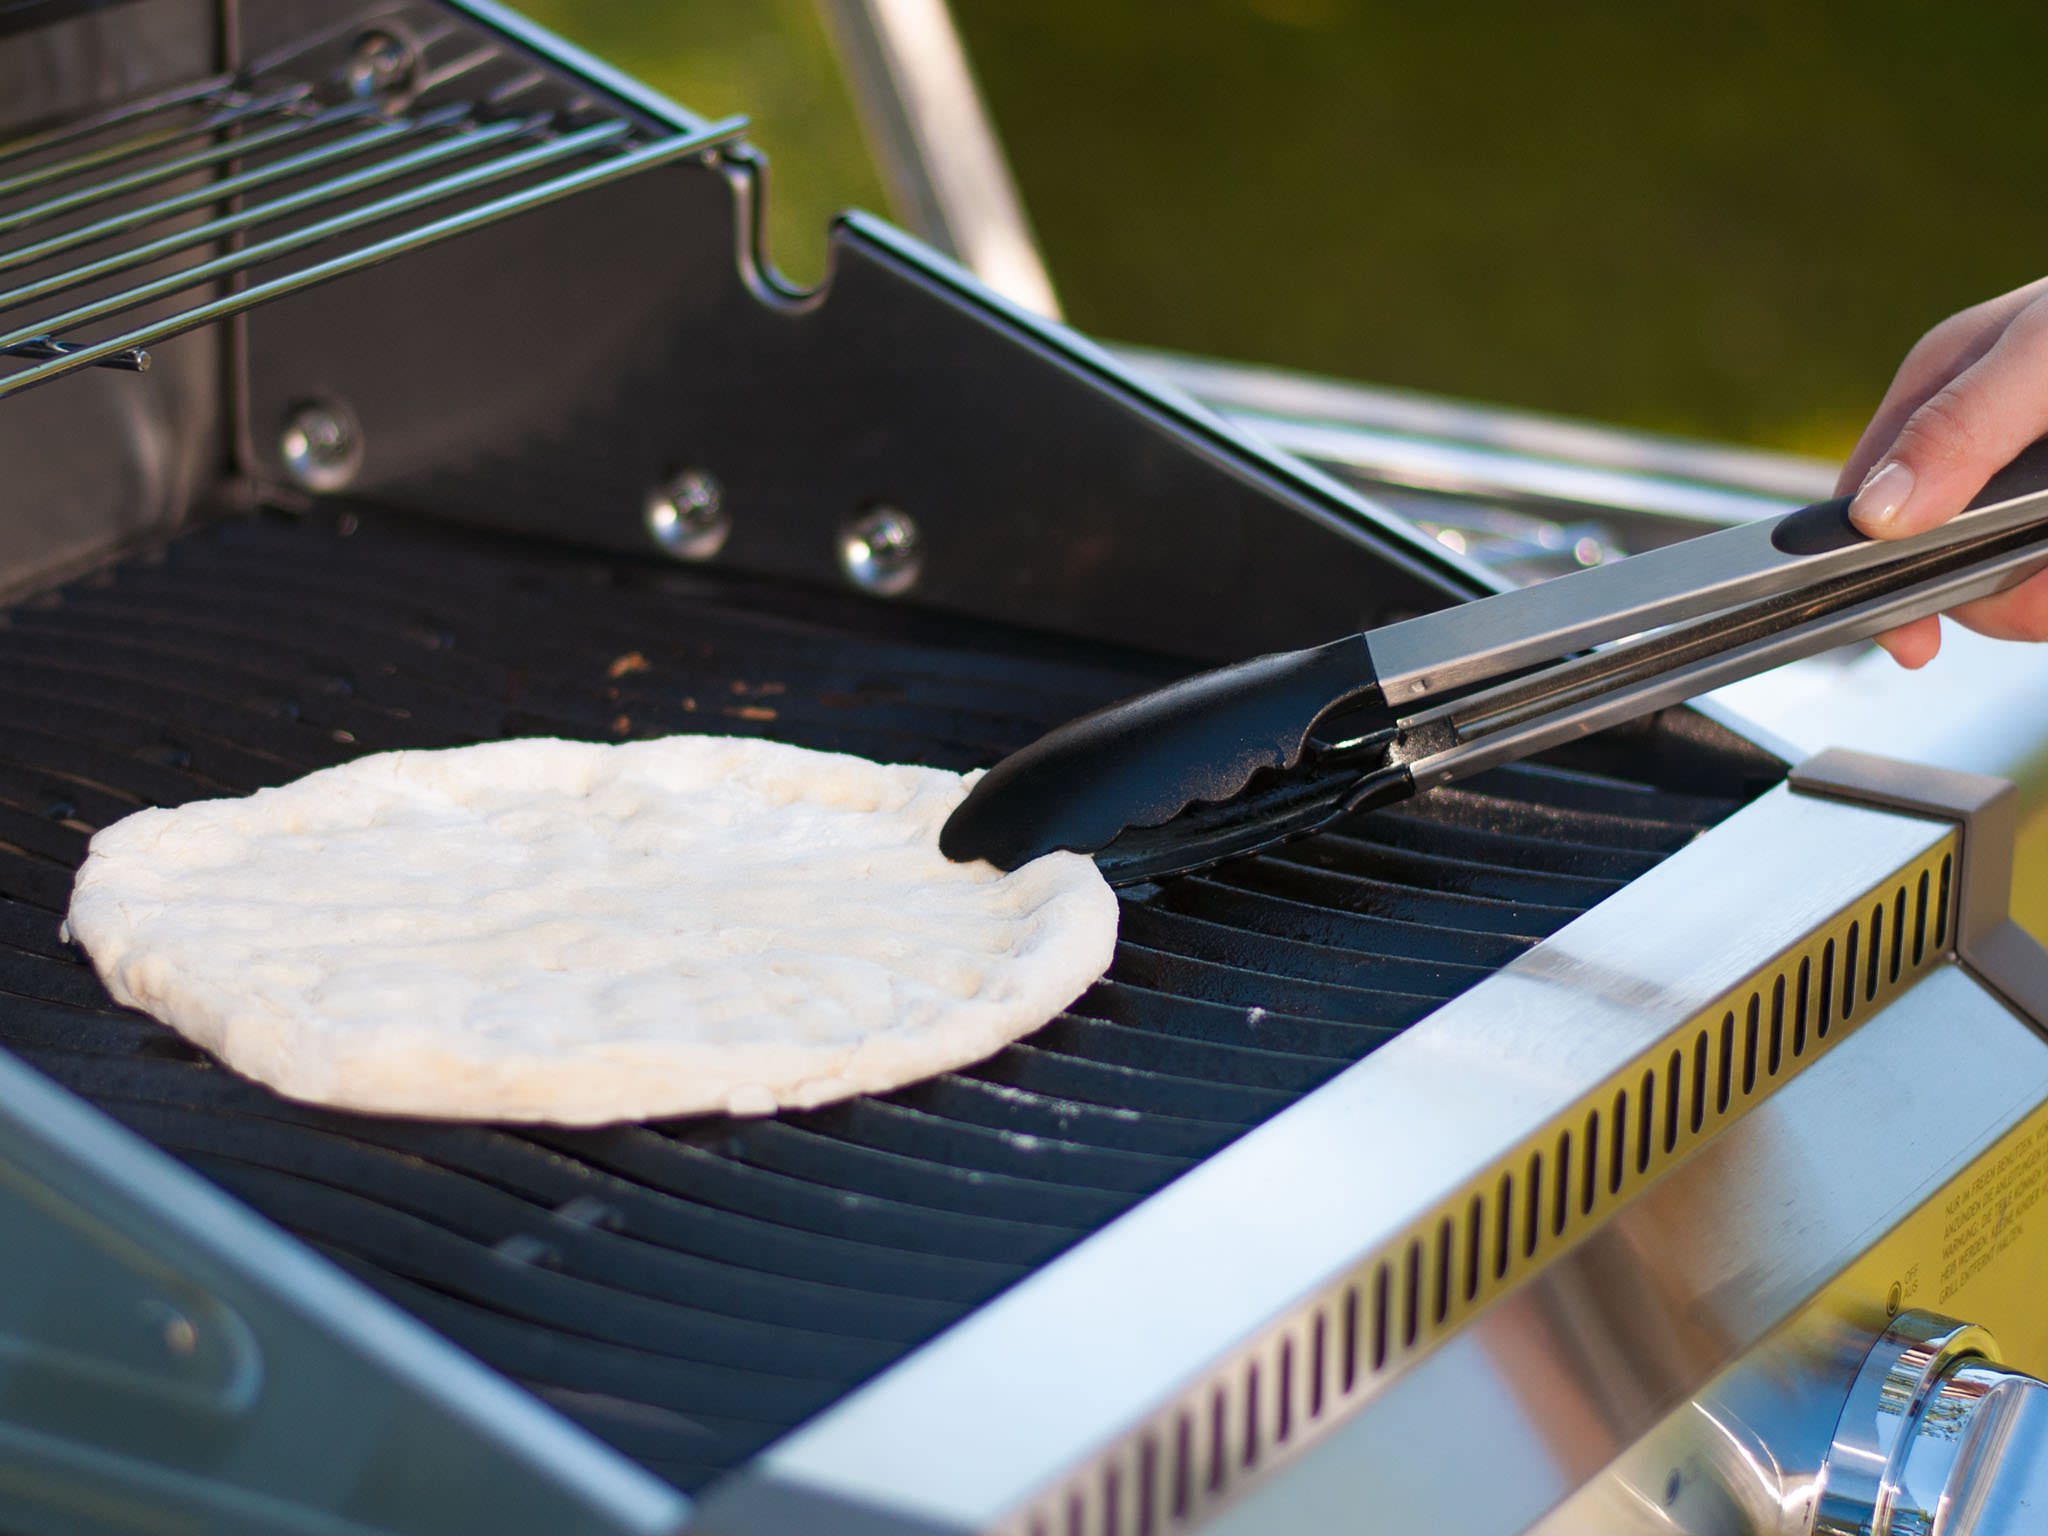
1964	433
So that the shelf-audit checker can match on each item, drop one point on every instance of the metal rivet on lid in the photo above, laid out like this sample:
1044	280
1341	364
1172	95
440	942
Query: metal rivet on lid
687	517
881	551
321	446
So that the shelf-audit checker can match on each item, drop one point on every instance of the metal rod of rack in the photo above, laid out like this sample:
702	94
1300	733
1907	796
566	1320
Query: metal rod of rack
231	186
296	202
128	149
134	360
324	229
115	116
625	163
230	149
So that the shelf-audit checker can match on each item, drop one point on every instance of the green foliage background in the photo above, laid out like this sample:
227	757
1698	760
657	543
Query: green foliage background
1728	220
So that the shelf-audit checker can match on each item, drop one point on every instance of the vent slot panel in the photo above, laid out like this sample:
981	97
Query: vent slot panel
182	208
1533	1204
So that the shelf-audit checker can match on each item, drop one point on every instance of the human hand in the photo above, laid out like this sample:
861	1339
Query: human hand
1970	395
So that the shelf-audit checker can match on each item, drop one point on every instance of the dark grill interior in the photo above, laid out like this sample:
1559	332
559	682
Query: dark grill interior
691	1290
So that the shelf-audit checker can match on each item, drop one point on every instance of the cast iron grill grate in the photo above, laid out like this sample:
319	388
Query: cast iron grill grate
691	1290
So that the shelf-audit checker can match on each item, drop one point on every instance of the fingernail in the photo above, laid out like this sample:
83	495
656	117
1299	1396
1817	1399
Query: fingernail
1883	497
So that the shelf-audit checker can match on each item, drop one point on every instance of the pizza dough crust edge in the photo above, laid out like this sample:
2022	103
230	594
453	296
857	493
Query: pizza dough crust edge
414	1071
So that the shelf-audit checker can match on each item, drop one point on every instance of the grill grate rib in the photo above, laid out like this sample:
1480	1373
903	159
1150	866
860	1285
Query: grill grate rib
691	1290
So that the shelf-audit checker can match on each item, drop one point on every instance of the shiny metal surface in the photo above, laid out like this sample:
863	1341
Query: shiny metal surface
171	1361
1551	708
688	517
935	143
626	162
1244	1250
815	414
1986	939
1132	786
1979	1465
1467	469
1933	1434
1702	576
1981	706
1187	1288
321	446
1865	1482
194	236
1924	1435
123	456
383	64
881	551
1259	394
1792	1230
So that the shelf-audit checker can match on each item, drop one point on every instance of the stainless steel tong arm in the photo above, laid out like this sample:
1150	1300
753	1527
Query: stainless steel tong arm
1494	726
1274	747
1716	572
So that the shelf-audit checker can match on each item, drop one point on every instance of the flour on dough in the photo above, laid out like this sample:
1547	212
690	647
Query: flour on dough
559	931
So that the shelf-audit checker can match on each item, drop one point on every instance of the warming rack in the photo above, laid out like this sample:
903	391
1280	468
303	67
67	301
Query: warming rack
332	156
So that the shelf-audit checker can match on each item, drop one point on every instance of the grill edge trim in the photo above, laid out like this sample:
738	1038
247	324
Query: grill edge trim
1282	1383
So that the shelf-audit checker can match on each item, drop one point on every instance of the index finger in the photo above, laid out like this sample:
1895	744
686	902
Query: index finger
1962	434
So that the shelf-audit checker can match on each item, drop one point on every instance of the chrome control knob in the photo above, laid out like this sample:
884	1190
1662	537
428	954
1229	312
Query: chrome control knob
1937	1439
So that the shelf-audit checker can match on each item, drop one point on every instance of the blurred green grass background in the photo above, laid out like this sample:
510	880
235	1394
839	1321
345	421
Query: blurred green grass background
1721	220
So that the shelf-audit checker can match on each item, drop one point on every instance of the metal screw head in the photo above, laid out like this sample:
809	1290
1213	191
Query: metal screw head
382	63
321	446
881	551
687	517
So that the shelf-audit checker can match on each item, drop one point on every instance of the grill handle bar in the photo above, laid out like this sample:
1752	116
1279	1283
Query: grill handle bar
1250	755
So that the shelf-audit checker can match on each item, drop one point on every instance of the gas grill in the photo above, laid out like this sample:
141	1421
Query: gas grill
390	377
691	1290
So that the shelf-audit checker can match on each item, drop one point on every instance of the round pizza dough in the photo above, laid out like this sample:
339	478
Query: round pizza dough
566	932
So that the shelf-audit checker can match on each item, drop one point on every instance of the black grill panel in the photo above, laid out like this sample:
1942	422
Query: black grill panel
691	1290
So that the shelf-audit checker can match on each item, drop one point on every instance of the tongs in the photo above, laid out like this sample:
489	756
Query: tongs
1237	760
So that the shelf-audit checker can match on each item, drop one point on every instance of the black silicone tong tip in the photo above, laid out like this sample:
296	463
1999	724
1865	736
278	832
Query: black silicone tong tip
1287	808
1141	763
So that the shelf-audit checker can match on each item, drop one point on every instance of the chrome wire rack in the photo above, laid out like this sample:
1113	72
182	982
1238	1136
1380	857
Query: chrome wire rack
177	209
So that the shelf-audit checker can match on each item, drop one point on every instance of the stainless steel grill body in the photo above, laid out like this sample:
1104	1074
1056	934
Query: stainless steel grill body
1553	1089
